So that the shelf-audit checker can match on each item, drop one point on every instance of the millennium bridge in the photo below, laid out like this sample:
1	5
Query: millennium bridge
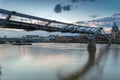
15	20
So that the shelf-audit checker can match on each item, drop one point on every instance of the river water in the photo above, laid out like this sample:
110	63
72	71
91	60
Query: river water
59	61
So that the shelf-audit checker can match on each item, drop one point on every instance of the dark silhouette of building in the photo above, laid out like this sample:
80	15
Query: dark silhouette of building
115	32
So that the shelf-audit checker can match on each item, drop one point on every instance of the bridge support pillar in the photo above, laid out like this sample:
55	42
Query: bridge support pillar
91	44
91	50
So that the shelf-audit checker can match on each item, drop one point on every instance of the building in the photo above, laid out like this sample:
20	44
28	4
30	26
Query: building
32	36
49	38
115	32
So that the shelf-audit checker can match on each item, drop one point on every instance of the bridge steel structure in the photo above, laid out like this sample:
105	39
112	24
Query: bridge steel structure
15	20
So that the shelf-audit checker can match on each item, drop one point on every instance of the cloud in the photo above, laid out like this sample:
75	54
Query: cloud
76	1
58	8
67	7
116	15
95	16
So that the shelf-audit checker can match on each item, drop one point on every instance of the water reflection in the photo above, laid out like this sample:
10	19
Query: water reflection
0	72
80	72
116	51
39	61
92	61
67	61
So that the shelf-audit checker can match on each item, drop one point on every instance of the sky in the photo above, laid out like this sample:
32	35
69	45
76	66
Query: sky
68	11
80	10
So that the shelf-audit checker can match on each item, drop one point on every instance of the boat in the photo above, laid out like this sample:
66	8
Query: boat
21	43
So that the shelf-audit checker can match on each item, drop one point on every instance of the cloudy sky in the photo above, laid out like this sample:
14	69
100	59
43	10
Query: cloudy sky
64	10
75	9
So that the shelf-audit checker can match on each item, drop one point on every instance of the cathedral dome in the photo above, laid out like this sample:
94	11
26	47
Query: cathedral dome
115	28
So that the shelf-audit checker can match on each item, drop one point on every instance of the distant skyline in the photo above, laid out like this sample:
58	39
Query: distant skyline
79	11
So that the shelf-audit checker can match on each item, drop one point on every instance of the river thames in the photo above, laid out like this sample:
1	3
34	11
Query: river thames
59	61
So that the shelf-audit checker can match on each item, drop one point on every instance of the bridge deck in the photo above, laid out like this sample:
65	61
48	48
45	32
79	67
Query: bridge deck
12	19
